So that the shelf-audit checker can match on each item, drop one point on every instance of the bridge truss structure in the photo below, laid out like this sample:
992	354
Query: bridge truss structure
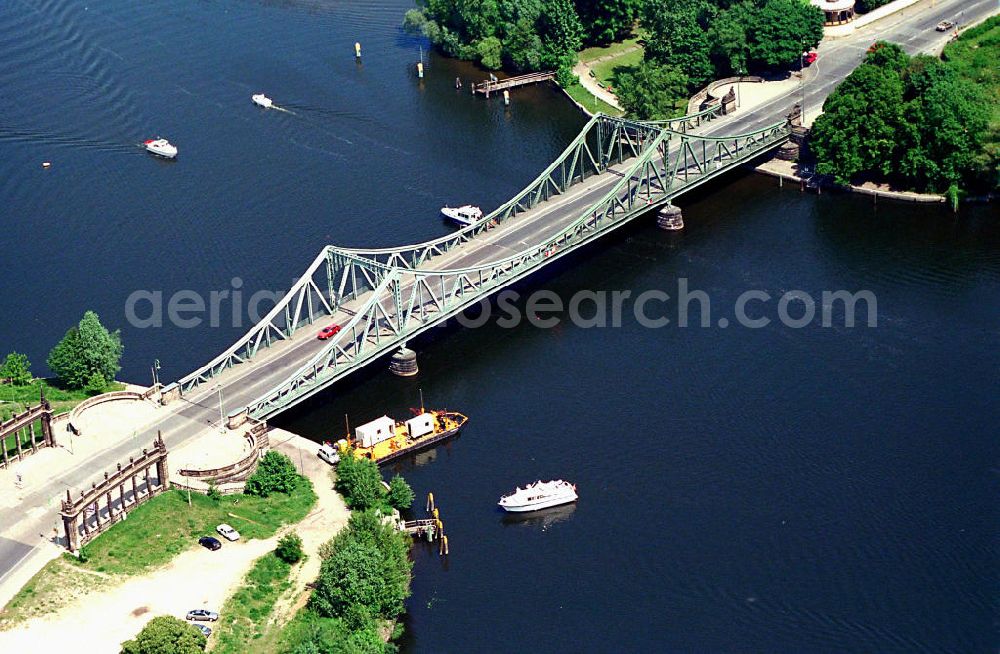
392	295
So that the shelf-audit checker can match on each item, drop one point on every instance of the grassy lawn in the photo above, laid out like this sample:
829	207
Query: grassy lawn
605	71
974	56
165	526
14	399
590	54
244	618
593	104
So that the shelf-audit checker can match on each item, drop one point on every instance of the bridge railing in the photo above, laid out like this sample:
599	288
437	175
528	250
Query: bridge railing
411	300
582	157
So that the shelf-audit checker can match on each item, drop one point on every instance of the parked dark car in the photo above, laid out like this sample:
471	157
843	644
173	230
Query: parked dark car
209	542
203	629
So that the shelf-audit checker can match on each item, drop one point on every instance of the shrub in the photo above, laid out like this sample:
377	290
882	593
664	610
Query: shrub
275	474
17	369
360	482
86	349
214	493
166	635
400	493
290	548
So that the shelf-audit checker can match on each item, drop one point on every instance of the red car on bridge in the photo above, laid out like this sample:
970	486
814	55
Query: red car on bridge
327	332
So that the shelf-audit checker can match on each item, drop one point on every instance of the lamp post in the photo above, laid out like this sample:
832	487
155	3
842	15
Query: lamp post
222	413
802	87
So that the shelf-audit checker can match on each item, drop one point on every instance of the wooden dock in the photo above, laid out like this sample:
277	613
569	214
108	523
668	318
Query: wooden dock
491	86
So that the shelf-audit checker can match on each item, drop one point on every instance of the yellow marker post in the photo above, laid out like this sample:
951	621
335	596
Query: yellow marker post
357	50
420	69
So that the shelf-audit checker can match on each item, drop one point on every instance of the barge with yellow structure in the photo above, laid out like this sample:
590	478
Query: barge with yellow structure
385	439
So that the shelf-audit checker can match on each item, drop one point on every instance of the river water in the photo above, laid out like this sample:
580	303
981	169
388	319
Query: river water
772	489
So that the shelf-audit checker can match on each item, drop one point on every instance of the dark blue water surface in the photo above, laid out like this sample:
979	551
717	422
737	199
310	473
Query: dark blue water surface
821	489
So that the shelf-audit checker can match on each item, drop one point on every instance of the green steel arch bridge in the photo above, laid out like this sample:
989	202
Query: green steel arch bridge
613	171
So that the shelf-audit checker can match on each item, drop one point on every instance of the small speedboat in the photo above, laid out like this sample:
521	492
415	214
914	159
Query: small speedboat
262	100
539	495
464	215
161	147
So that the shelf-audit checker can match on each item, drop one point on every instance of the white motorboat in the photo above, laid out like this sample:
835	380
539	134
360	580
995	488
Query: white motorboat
539	495
161	147
464	215
262	100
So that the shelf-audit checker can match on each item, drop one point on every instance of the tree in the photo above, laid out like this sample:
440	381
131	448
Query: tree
17	369
606	20
275	474
781	30
400	493
678	37
360	482
365	572
86	349
523	47
166	635
289	548
858	131
95	384
561	32
652	91
489	50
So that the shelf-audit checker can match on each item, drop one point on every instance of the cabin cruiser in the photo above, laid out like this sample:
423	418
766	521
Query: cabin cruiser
161	147
539	495
464	215
262	100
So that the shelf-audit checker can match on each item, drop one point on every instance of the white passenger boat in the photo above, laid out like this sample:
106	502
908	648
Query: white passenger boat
161	147
539	495
262	100
464	215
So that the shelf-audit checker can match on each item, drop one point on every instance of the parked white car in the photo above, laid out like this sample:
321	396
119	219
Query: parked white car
329	454
228	532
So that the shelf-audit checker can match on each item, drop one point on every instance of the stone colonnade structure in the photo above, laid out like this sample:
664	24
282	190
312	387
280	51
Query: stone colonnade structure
836	12
19	425
84	513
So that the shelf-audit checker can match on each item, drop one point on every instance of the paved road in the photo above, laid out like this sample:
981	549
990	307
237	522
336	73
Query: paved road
23	530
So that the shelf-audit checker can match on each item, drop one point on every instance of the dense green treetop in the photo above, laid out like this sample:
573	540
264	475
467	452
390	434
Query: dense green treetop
166	635
87	350
913	121
16	368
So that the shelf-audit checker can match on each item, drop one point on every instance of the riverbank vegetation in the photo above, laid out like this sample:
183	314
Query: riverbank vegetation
360	482
686	42
919	123
88	356
363	581
244	617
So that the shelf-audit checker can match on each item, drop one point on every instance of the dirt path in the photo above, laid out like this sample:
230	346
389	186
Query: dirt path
104	619
322	524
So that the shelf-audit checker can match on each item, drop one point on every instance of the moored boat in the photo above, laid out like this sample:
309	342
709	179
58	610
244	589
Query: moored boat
262	100
464	215
539	495
385	439
161	147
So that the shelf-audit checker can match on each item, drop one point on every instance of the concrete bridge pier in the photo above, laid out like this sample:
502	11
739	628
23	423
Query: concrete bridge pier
670	218
404	362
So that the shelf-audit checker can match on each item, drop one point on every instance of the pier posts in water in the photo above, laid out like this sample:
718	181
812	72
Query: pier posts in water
420	69
357	50
443	546
506	97
430	503
404	362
